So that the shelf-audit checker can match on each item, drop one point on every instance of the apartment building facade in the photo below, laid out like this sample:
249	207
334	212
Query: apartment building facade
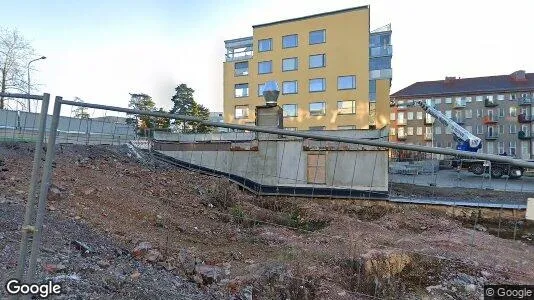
332	71
497	109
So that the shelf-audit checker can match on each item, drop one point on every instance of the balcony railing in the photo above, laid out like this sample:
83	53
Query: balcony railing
522	135
524	118
489	120
401	122
459	103
428	136
490	103
492	136
525	101
380	74
381	51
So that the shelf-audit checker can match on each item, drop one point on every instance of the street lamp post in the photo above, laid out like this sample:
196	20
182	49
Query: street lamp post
29	86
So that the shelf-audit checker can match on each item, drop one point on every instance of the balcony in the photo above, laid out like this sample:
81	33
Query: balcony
458	120
385	50
381	74
525	101
492	136
459	104
524	118
490	103
524	135
239	49
401	122
428	136
489	120
401	136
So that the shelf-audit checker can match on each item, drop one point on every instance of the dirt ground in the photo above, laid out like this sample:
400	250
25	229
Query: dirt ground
270	247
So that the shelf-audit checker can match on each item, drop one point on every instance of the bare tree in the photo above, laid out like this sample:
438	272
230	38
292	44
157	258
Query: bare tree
15	52
80	112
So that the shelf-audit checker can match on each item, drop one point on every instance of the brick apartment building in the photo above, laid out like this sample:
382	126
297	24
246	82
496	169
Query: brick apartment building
497	109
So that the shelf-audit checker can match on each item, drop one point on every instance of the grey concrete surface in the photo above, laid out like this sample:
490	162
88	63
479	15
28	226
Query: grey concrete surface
464	179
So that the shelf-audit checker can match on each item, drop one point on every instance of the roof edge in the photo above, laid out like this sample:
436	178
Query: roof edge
313	16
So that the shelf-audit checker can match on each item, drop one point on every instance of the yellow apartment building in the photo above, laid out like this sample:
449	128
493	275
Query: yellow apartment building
333	73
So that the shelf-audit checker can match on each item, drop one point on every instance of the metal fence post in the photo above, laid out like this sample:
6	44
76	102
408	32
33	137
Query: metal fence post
45	183
27	229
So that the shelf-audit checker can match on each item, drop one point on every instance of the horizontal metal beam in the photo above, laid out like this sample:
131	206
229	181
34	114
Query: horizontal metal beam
22	96
316	136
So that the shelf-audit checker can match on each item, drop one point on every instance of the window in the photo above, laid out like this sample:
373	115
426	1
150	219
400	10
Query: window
317	37
490	147
501	112
317	109
437	130
317	85
290	41
513	128
289	87
479	98
346	107
317	61
512	97
261	86
500	147
400	116
241	68
448	130
265	45
347	127
448	113
500	129
410	115
419	130
316	128
524	128
428	130
479	129
346	82
392	131
468	99
479	113
290	64
241	90
392	116
468	114
265	67
410	130
500	97
437	101
513	146
372	90
241	112
469	128
513	111
489	97
290	110
448	100
419	115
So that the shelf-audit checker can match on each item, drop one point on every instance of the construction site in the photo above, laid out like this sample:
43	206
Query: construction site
257	213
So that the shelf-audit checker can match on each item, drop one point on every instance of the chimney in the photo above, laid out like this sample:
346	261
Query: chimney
449	79
519	75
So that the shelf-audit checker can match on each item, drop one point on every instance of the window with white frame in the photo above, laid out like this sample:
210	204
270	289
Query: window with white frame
501	112
419	115
479	113
489	97
289	87
419	130
241	111
409	130
513	111
392	116
410	115
437	130
448	113
490	147
437	101
500	97
241	90
512	147
448	100
479	129
469	128
500	147
468	99
513	128
448	130
479	98
500	129
392	131
290	110
468	113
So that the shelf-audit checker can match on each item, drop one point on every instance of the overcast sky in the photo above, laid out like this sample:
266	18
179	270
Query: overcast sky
101	50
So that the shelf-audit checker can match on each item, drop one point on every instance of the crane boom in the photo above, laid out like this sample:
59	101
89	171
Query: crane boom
466	140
